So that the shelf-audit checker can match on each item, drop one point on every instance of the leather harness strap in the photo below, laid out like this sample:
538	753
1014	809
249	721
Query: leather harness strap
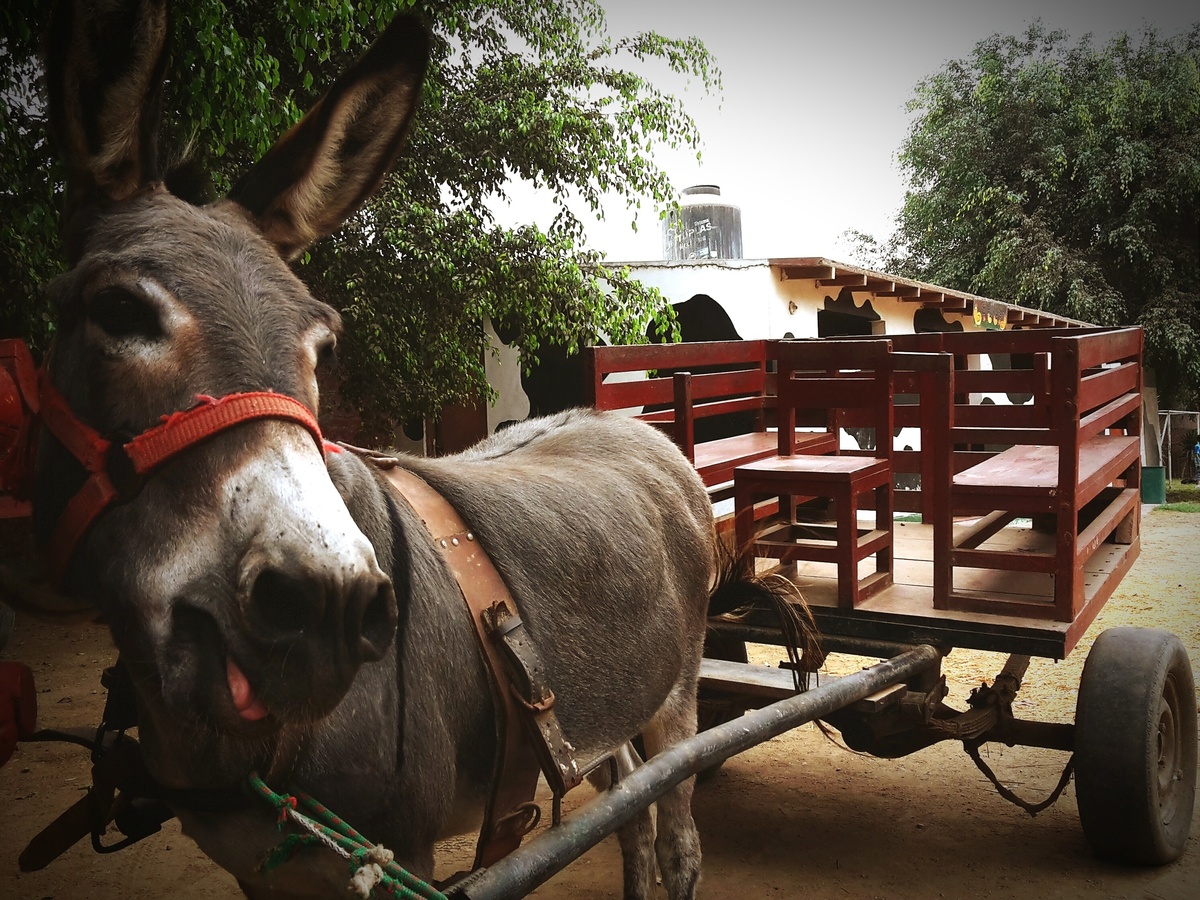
511	812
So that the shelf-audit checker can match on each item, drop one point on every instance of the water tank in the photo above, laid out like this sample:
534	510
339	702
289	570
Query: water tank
705	227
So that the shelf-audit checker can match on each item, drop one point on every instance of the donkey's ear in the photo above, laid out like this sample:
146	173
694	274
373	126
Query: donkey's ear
104	68
335	157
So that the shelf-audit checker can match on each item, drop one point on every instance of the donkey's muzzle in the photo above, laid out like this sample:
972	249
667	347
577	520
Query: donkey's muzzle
344	617
307	626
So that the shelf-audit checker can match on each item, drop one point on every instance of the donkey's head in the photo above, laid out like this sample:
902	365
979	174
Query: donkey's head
232	574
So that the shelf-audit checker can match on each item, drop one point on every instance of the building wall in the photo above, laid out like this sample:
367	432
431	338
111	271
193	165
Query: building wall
503	368
759	302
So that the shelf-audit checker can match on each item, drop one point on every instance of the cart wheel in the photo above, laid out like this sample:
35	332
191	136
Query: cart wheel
1135	746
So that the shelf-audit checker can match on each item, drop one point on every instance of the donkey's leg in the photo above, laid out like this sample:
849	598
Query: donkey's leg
678	842
635	837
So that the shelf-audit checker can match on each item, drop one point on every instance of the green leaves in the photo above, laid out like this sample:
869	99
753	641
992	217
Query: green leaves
531	90
1064	177
528	90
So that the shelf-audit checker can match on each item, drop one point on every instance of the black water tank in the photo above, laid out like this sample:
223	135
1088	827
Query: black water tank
705	227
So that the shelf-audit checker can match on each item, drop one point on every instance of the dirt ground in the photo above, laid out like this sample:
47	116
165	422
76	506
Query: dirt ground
795	817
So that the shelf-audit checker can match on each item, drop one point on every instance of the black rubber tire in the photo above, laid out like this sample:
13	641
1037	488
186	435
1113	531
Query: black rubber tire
1135	746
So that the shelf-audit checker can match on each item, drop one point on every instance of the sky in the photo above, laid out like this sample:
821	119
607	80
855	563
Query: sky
805	133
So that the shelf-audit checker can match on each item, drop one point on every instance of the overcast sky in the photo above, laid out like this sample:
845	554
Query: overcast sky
804	137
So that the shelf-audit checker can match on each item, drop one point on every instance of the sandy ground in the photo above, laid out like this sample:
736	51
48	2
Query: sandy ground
796	817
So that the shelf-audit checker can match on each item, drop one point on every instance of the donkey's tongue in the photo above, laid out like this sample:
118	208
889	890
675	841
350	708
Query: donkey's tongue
246	702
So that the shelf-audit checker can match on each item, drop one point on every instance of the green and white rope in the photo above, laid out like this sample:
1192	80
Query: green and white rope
371	865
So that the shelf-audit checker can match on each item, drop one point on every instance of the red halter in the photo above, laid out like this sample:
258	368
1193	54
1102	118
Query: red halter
131	462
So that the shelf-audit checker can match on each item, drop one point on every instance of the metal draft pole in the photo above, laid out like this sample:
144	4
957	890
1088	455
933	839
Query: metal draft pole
552	850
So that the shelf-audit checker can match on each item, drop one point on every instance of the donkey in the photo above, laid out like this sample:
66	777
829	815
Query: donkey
279	607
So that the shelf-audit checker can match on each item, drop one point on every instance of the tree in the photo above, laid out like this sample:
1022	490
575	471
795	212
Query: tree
1064	178
531	90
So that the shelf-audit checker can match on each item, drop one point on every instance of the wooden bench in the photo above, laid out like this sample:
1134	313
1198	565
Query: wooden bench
715	399
1067	458
918	388
922	380
1058	458
826	379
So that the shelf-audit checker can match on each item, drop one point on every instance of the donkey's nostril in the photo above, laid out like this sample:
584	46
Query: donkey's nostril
378	614
283	605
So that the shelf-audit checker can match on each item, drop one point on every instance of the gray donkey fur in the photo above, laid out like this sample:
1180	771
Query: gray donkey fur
284	612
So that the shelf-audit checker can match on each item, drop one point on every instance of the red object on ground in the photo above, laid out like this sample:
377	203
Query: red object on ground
18	707
18	408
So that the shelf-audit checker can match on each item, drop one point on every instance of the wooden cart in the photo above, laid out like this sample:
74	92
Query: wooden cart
1015	485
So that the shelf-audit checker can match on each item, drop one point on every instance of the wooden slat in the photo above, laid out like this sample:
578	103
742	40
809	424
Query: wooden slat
971	536
847	279
987	415
844	391
983	435
1027	468
1102	460
746	679
901	290
658	417
1103	385
642	357
1106	346
1034	609
1107	416
966	343
801	272
716	460
629	394
1099	529
1098	587
754	403
1008	560
725	384
1000	381
818	551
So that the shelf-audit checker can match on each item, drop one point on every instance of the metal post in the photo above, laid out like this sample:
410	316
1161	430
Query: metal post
1162	432
553	849
1170	448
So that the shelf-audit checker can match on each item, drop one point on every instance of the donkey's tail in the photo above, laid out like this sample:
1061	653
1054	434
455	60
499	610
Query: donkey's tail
738	592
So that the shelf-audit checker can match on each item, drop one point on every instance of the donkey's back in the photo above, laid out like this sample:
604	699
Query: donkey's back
604	535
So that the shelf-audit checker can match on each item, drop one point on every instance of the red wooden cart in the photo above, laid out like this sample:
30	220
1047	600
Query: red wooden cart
1010	514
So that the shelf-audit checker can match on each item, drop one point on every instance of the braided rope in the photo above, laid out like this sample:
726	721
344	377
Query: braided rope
371	865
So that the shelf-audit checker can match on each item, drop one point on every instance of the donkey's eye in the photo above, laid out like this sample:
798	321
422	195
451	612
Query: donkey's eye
327	352
123	314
